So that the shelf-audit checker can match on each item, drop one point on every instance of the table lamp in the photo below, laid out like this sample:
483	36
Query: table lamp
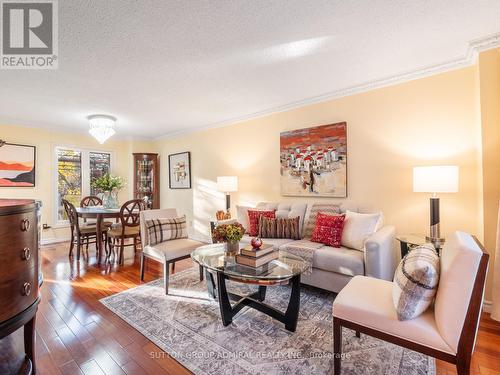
227	184
435	179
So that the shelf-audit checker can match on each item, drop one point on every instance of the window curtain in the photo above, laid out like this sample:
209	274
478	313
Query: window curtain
495	310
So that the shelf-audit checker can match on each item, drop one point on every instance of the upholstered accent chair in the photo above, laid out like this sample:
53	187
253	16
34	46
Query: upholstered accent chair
167	252
446	331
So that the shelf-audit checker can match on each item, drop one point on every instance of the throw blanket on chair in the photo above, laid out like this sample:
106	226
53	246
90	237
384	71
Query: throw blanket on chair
304	249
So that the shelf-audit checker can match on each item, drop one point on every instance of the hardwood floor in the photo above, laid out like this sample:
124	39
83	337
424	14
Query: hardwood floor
78	335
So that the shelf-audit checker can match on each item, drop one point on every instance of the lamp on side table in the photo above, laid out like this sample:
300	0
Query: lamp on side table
227	184
435	179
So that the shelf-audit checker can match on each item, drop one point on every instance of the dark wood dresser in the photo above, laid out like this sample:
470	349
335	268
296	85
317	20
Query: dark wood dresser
19	271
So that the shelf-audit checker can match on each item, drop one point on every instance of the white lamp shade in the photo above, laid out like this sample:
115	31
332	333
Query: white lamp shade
227	184
435	179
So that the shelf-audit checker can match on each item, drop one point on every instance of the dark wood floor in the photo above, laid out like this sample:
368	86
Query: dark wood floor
78	335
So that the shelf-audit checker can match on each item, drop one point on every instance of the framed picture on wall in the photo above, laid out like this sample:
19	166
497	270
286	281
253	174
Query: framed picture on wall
17	165
179	168
314	161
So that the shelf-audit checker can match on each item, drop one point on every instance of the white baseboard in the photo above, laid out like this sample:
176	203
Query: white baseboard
50	241
487	306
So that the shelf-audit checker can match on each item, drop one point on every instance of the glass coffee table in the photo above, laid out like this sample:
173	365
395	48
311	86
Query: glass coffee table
284	270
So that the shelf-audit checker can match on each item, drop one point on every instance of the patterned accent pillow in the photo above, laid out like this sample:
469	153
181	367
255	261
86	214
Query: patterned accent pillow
415	282
267	227
328	229
327	208
253	220
161	230
288	228
279	228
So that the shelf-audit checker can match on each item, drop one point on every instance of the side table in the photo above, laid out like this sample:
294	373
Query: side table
409	241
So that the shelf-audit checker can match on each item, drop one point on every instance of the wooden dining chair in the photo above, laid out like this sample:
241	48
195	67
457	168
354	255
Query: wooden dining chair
127	229
80	235
92	201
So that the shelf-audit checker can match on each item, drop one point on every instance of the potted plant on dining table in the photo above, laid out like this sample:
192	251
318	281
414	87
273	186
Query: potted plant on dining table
231	234
109	185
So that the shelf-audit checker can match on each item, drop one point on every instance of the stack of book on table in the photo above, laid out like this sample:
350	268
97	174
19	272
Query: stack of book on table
256	257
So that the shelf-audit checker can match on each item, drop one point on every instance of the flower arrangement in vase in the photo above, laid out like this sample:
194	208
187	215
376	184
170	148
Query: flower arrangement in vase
110	186
231	234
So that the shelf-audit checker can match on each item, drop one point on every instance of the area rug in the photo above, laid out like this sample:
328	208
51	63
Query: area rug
186	324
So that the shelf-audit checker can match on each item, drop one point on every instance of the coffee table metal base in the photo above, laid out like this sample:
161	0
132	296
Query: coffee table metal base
255	301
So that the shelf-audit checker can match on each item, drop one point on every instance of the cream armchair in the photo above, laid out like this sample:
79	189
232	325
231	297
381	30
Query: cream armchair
167	252
446	331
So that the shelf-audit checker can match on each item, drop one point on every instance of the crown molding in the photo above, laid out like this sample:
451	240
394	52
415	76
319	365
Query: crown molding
474	47
11	121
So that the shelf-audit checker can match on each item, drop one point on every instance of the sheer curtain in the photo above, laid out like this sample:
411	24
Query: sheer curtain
495	310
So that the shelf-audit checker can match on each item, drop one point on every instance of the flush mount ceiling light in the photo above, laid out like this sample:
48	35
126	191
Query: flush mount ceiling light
101	127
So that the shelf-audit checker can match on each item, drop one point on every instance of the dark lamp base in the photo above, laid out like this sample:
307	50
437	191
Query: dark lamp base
437	242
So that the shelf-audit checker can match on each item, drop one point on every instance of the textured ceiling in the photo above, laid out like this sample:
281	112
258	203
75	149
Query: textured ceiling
163	67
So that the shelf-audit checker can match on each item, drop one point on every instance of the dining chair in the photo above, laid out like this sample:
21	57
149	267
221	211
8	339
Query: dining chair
127	229
81	235
446	331
92	201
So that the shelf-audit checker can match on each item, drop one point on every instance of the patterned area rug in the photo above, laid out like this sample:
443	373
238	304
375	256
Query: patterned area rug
187	325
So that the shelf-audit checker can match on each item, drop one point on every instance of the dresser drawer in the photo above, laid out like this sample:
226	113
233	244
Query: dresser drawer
17	292
18	258
17	231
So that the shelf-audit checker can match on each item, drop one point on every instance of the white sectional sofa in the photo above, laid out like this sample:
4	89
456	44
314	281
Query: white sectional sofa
333	267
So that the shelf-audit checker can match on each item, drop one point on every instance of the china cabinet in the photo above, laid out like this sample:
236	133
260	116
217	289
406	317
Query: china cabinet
146	179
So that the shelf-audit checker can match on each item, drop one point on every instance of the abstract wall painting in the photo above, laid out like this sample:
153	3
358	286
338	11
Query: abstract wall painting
314	161
17	165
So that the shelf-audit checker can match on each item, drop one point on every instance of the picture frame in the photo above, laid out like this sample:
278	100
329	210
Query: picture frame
179	170
313	161
17	165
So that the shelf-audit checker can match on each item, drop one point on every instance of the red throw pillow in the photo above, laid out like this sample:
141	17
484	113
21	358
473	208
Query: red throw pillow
328	229
253	220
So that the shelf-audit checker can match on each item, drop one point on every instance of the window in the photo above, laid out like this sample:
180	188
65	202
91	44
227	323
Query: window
99	165
76	170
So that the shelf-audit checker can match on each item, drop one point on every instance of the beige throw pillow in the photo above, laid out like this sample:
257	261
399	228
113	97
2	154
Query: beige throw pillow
415	282
357	228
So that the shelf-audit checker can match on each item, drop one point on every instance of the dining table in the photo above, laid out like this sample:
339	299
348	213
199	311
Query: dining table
99	213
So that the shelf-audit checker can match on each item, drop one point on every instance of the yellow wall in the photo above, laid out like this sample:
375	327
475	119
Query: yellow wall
430	121
489	73
45	141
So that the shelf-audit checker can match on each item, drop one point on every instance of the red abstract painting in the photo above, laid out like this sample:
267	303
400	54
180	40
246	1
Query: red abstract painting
314	161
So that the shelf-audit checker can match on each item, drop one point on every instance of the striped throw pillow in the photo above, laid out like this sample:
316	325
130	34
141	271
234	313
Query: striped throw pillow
288	228
415	282
161	230
267	227
279	227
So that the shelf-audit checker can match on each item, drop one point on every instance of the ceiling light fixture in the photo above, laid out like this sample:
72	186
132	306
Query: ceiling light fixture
101	127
